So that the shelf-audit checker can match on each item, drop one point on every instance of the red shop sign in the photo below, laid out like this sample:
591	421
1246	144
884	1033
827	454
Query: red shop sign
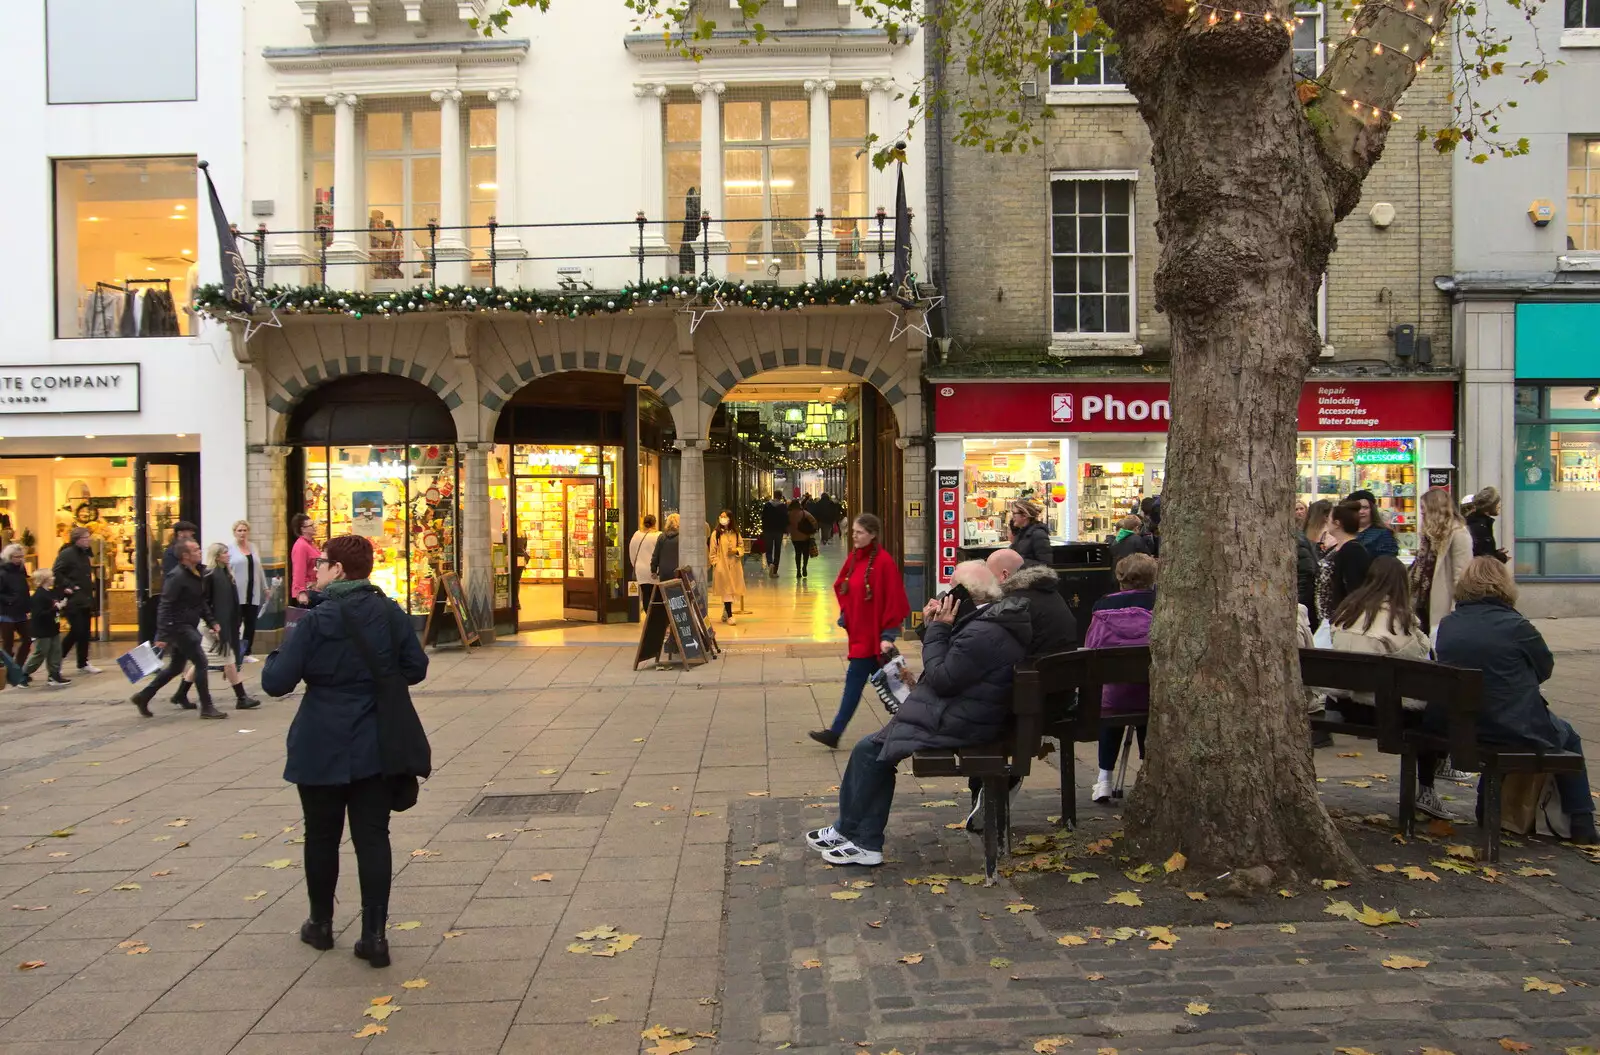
985	407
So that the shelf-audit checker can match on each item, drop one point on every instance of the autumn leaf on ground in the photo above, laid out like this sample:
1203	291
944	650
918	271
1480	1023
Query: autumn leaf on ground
161	874
1095	977
602	1020
1349	754
29	908
670	1047
912	958
1163	934
657	1033
427	853
1285	892
940	802
1221	925
548	772
127	886
1354	1051
1071	940
845	895
1081	877
1466	853
379	1012
1288	928
1439	1051
750	863
999	963
1051	1045
1357	783
257	896
415	983
1368	915
30	965
1404	963
1514	1045
1440	828
60	853
1143	874
1586	1049
409	924
1535	872
762	794
1125	897
1020	906
702	813
1176	863
249	835
1195	895
810	965
453	934
371	1029
123	820
197	926
1196	1008
1532	984
61	833
280	863
1386	869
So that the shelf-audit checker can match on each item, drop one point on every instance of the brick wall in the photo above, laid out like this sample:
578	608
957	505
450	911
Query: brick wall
997	207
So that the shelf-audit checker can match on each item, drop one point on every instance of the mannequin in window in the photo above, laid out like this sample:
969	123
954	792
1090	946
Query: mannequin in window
384	240
691	231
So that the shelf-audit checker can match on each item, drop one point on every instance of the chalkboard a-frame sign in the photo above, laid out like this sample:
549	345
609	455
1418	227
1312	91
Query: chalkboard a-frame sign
450	602
670	613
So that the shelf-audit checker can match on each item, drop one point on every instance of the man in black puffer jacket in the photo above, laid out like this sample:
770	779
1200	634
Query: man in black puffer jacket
962	698
185	604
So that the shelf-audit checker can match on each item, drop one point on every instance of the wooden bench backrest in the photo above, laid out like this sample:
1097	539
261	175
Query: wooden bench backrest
1456	692
1344	673
1073	682
1027	717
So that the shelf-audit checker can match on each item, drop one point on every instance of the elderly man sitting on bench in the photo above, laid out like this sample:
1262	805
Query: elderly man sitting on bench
962	699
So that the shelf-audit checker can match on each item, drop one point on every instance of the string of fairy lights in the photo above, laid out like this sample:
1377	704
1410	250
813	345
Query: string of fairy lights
1215	14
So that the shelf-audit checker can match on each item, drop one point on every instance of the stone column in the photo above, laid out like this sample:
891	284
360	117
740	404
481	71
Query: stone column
692	506
452	248
821	177
508	247
472	538
347	251
710	93
289	211
652	184
880	183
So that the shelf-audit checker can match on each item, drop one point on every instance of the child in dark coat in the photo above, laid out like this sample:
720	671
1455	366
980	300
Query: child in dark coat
44	615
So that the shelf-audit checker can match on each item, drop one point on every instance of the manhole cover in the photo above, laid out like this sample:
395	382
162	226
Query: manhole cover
526	805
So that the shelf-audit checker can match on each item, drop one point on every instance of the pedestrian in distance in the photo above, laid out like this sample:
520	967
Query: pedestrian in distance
1130	539
223	596
664	562
1482	508
354	747
872	607
1316	523
962	698
1029	536
185	604
1122	620
641	557
74	571
44	611
1375	536
16	633
183	531
245	566
725	555
1344	560
302	559
802	530
1487	633
1379	618
1442	558
774	528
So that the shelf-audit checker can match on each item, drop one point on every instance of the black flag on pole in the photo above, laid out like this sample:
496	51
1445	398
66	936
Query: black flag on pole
901	276
235	276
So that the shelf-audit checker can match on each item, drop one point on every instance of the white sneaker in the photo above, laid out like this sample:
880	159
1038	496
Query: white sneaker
1428	802
90	669
251	659
1446	771
1101	792
732	621
848	853
975	818
825	838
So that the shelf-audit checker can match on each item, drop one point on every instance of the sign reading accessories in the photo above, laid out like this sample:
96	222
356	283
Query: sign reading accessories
70	388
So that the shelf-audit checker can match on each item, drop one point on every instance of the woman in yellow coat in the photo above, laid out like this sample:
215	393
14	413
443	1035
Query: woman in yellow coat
725	555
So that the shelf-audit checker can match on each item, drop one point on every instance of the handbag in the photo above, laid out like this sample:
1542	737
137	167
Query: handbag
139	661
403	750
811	547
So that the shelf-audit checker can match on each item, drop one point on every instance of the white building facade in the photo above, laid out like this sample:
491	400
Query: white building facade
429	193
119	410
1527	303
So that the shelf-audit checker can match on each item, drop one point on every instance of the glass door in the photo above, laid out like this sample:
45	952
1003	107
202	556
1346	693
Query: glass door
585	547
159	502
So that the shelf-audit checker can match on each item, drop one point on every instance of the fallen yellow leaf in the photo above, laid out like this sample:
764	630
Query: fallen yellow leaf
127	886
280	863
1384	868
1466	853
602	1020
1532	984
1354	1051
1176	863
999	963
750	863
371	1029
409	924
1019	906
1071	940
1081	877
257	896
1221	925
912	958
1125	897
1514	1045
1534	872
671	1047
656	1033
415	983
1288	928
1194	1007
380	1012
197	926
453	934
1284	892
845	895
1050	1045
379	1001
1419	874
810	965
1195	895
1404	963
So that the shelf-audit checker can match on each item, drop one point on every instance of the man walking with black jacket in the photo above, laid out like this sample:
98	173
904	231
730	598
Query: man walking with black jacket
185	603
774	530
74	571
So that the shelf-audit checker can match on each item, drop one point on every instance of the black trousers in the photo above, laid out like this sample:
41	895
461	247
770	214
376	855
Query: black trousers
9	632
802	555
183	646
324	807
78	634
247	630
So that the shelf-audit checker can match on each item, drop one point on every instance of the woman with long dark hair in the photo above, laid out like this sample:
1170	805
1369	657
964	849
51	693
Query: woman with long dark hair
1481	510
872	605
344	756
1344	560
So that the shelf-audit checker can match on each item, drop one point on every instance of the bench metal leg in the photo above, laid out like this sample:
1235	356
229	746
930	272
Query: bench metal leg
1408	794
1489	834
1069	784
994	815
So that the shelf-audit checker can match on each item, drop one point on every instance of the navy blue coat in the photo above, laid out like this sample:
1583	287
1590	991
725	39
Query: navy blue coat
334	736
964	694
1491	636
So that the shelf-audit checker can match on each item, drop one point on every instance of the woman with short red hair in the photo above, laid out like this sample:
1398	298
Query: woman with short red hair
344	755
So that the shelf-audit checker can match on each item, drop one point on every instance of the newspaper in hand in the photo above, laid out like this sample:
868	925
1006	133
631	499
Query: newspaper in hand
893	682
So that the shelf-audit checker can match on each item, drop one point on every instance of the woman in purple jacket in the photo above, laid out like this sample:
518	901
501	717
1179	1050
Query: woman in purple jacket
1122	620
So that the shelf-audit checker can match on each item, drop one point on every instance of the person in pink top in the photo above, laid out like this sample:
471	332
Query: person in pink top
303	559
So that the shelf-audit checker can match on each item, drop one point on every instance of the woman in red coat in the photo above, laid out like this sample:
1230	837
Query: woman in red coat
872	605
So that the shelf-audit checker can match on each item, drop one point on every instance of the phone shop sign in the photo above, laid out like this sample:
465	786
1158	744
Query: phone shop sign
70	388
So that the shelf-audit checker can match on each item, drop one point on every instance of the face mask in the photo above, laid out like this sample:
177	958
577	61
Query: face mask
723	521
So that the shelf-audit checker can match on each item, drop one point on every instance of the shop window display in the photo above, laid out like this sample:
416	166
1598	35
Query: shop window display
1557	481
998	472
404	498
1331	467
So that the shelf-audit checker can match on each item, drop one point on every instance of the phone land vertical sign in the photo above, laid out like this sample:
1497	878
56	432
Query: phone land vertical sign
74	388
947	523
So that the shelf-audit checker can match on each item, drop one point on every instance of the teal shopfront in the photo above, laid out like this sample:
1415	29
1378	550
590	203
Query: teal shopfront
1557	462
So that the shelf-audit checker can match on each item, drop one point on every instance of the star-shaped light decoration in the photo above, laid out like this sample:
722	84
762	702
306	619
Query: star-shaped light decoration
901	313
698	312
251	325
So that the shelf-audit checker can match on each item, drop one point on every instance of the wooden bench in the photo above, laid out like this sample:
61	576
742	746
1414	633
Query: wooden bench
996	764
1073	683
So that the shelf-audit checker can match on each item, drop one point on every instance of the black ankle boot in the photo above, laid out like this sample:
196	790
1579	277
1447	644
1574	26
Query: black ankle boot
373	945
181	698
318	935
1583	832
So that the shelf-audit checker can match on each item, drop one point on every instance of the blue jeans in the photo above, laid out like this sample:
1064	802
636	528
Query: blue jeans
866	792
855	683
1573	787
